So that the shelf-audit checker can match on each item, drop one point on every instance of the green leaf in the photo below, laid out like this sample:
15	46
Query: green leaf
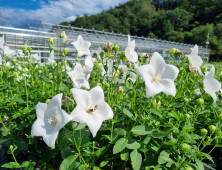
82	167
206	155
5	139
118	132
103	163
28	164
155	112
21	144
126	112
101	151
66	152
164	157
19	100
199	164
69	163
63	87
11	165
81	126
142	130
120	145
208	166
174	114
124	154
136	159
179	93
133	144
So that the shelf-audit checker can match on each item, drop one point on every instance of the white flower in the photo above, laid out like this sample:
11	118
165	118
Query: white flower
211	85
8	51
197	91
82	46
91	108
78	78
195	60
88	67
35	58
129	51
50	119
158	76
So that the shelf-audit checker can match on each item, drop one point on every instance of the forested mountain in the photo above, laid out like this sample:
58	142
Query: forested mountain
185	21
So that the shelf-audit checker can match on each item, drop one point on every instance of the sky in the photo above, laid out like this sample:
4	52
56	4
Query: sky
20	13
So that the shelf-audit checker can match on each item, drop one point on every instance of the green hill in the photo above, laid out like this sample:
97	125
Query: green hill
185	21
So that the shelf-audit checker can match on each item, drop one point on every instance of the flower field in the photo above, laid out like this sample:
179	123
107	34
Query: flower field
119	111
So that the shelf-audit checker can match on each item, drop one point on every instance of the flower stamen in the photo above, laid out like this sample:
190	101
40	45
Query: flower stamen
157	78
53	121
90	109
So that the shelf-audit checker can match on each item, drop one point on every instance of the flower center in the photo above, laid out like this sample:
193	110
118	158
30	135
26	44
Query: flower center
157	78
53	121
90	109
80	48
76	78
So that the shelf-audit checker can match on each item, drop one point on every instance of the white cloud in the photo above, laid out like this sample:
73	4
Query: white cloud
54	12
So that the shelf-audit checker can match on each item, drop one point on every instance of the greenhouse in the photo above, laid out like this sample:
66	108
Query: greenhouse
37	39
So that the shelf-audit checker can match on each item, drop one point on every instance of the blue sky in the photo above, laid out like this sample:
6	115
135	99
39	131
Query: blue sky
20	13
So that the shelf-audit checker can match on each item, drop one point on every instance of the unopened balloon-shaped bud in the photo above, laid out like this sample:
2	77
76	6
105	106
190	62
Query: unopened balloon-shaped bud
203	132
47	101
185	147
200	101
212	128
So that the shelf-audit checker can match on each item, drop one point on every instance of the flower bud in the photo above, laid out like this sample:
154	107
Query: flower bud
40	71
212	128
186	100
98	84
181	69
102	55
185	147
107	85
47	101
203	132
220	117
172	51
24	48
219	134
30	57
11	147
100	65
65	51
64	62
156	105
115	47
187	116
50	40
188	168
204	69
200	101
30	50
54	64
63	55
14	61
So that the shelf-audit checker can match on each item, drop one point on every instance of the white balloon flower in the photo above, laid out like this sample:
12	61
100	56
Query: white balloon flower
131	55
88	67
50	119
91	108
158	76
195	60
211	85
78	78
82	46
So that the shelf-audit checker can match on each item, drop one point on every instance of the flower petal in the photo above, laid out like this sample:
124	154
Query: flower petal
170	72
96	95
38	128
50	139
81	96
40	110
168	87
146	72
105	111
152	88
157	63
93	121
